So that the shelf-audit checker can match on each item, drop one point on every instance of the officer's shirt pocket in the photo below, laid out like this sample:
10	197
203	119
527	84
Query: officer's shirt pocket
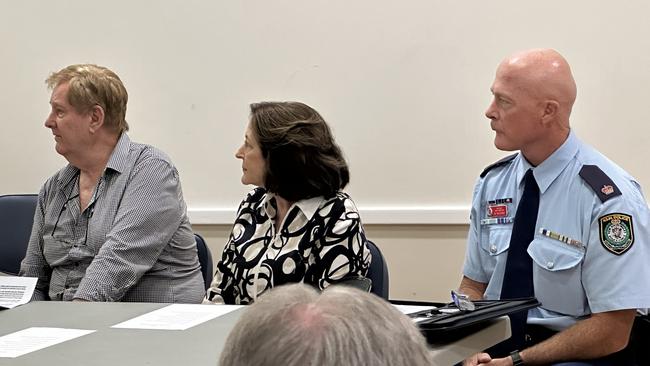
495	243
557	275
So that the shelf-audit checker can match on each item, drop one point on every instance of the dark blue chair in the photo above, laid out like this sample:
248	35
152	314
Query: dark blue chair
378	272
16	219
205	259
639	339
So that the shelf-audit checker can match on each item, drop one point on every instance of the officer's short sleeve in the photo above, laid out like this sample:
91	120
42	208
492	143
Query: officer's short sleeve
616	266
473	267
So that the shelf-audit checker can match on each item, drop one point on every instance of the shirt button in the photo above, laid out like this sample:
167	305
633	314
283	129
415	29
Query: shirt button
493	248
550	265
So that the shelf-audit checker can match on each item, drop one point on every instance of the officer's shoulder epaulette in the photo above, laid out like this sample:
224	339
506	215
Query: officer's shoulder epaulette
601	184
497	164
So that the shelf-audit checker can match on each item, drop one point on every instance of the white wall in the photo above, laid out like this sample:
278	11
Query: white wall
403	83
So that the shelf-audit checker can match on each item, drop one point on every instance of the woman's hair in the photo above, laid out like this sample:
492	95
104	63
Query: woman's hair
92	85
302	158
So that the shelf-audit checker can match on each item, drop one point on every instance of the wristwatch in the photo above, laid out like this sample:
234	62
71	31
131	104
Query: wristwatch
516	358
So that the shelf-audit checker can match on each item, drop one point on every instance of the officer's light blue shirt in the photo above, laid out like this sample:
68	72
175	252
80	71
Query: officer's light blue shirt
574	272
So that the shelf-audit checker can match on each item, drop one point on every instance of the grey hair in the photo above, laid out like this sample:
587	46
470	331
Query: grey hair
294	325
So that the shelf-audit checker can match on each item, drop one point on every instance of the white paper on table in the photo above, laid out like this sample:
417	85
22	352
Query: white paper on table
35	338
177	316
16	291
410	309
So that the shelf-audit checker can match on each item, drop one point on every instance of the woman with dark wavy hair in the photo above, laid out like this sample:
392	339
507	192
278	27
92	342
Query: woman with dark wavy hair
296	225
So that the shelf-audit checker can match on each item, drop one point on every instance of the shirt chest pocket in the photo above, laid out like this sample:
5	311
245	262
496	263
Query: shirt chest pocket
495	244
557	271
496	240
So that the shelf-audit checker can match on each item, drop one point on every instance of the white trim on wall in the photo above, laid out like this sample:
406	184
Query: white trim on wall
426	215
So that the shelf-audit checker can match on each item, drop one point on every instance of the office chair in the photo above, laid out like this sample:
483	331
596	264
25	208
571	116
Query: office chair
639	339
205	259
359	282
378	272
16	219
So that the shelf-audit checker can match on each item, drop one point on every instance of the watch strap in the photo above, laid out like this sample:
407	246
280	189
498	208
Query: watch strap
516	358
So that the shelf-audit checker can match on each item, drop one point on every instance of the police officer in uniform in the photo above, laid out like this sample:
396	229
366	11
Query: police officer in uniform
589	253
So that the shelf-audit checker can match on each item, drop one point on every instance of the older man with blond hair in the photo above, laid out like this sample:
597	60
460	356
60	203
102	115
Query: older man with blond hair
112	224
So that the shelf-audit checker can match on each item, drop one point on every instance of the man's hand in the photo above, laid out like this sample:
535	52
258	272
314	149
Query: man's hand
477	359
483	359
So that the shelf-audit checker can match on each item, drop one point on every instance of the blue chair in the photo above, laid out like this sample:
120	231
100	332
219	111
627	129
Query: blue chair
639	339
378	272
16	219
205	259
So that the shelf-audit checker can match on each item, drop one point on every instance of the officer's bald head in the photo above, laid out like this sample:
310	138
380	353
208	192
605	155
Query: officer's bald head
543	74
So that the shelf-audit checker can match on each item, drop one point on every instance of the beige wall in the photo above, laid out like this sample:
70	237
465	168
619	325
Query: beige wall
424	261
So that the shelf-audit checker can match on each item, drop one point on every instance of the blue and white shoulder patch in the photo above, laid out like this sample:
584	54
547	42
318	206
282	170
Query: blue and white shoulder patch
599	182
497	164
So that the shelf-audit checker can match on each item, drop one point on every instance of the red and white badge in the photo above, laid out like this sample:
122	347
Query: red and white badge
499	210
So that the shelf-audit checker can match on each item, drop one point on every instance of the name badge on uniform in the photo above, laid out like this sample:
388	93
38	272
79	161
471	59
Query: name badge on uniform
497	212
498	208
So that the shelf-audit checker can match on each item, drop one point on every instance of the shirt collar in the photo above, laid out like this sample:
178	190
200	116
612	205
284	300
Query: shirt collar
550	169
268	205
308	206
119	158
117	162
66	176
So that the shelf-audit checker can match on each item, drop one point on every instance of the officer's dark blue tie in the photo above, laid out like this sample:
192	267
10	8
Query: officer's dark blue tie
518	277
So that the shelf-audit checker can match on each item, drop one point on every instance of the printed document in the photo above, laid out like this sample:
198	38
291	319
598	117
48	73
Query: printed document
32	339
177	316
16	291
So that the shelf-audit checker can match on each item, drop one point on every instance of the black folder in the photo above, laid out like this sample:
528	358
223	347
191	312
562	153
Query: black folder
441	326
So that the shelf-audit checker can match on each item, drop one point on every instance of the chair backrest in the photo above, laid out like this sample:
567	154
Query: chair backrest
639	339
205	259
16	219
359	282
378	272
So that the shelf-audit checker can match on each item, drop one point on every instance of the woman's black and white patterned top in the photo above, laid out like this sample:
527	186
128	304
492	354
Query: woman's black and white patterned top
133	242
320	242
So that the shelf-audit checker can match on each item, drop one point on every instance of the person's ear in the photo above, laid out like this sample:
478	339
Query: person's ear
550	112
96	118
